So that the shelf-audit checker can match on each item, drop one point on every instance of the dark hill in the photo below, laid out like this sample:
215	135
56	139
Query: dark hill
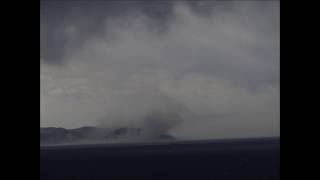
83	135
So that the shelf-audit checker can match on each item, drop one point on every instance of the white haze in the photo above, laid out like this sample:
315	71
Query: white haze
223	68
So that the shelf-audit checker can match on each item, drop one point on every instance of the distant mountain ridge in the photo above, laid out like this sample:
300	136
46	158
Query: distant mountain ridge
55	136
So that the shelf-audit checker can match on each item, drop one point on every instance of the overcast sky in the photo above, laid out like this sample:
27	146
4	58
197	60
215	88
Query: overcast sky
111	63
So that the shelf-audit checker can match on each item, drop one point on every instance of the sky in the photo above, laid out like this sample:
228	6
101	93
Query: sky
215	63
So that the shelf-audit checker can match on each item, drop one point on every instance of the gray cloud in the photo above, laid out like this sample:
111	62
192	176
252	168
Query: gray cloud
114	63
65	25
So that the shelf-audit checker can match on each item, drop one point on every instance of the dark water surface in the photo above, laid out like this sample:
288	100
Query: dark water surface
242	159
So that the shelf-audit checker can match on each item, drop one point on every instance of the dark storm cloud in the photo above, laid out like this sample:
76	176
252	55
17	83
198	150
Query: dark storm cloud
88	19
67	25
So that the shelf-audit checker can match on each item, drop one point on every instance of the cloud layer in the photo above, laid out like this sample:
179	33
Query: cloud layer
218	63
